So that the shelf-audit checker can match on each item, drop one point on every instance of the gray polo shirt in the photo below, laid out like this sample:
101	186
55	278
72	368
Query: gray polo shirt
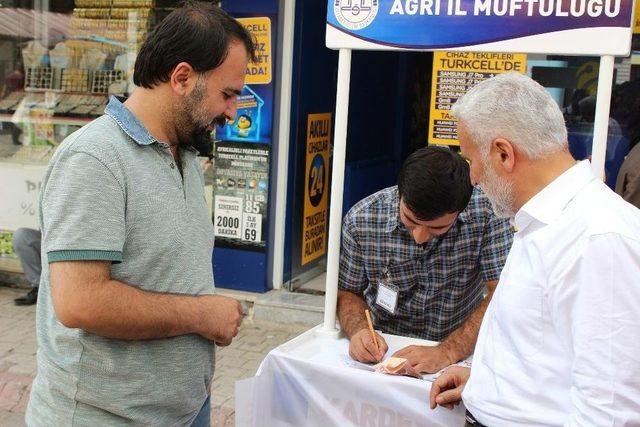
112	192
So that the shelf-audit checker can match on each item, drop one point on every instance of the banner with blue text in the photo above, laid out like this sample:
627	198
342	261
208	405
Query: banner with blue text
571	27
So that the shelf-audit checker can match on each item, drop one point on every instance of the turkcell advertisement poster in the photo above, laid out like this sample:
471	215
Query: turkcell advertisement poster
240	195
255	104
315	215
242	152
454	73
570	27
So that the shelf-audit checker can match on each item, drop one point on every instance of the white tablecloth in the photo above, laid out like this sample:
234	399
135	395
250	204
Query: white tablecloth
310	381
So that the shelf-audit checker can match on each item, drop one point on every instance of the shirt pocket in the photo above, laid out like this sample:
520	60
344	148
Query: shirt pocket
405	278
519	318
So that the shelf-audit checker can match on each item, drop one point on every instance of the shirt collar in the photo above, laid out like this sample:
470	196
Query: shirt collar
465	215
130	123
548	204
394	222
394	213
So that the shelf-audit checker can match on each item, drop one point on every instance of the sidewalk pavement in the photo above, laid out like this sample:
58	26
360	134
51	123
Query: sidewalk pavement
18	359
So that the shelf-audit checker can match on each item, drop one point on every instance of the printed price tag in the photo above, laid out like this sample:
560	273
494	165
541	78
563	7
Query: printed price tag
252	227
228	216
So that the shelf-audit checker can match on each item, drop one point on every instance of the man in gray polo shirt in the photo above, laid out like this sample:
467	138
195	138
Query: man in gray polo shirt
127	316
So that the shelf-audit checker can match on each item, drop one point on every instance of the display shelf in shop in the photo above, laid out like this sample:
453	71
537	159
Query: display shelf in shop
73	121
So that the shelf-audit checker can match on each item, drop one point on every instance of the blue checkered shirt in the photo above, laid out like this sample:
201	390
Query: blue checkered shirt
439	283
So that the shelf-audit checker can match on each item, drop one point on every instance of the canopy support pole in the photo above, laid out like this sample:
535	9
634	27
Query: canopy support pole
337	190
601	122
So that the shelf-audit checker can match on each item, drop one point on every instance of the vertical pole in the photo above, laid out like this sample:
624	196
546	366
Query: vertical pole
284	123
601	122
44	12
337	189
37	28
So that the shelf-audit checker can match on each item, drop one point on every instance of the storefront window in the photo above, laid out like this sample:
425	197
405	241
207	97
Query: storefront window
573	81
59	62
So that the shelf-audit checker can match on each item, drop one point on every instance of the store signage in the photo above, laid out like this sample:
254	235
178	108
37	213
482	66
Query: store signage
254	118
241	191
454	73
259	72
19	192
247	124
315	216
576	27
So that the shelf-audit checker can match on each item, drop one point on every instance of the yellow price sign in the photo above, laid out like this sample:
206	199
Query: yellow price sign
454	73
314	225
259	72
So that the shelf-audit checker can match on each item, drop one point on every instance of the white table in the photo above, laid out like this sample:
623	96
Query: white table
311	381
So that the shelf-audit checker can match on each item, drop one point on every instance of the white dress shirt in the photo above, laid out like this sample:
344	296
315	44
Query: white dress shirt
560	341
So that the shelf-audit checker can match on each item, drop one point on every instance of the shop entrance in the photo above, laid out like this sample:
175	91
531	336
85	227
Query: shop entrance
388	119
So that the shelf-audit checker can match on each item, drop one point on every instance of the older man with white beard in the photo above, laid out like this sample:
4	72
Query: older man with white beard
558	344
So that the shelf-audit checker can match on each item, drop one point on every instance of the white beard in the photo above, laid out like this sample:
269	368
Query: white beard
498	190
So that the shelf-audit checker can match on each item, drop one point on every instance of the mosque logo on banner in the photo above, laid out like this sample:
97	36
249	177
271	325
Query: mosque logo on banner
355	14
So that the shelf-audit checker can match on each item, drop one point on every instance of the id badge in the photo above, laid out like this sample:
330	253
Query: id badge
387	297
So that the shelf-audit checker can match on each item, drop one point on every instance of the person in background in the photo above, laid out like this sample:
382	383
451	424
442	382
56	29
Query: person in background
626	108
26	244
628	182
